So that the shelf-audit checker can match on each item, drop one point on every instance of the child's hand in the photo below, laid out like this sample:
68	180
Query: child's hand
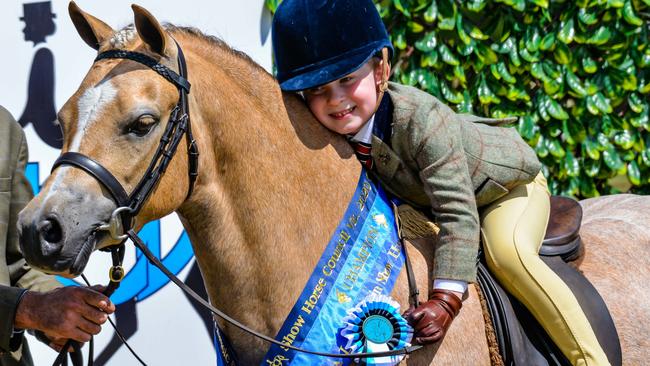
431	319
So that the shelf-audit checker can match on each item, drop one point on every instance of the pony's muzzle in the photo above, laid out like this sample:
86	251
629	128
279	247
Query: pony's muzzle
43	238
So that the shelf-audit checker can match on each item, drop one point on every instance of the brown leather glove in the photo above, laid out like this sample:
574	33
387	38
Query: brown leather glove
431	319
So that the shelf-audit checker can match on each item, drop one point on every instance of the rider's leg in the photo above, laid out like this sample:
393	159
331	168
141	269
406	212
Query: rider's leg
513	229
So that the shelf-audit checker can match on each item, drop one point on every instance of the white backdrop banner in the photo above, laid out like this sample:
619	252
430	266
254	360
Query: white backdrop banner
43	63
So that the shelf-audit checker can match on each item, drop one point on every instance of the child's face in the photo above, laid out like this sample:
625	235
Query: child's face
346	104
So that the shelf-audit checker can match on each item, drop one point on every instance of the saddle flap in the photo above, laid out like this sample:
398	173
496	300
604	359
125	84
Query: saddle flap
564	222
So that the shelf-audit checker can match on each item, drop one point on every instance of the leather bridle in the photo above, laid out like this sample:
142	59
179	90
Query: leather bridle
120	225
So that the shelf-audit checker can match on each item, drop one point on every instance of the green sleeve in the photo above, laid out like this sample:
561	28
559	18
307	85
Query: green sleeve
21	192
438	151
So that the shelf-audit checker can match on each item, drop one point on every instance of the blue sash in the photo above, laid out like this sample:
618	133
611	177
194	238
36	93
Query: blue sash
363	257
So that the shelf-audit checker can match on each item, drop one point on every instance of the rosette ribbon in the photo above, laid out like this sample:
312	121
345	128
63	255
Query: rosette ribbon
376	325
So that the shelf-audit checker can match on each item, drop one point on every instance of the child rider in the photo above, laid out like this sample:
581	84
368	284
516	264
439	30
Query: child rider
434	159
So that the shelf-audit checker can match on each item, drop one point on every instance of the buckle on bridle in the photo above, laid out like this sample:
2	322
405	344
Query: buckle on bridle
114	224
116	273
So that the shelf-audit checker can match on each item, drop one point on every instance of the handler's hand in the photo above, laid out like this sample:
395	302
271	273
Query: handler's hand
64	313
431	319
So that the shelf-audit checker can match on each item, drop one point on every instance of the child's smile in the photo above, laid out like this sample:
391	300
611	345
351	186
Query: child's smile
346	104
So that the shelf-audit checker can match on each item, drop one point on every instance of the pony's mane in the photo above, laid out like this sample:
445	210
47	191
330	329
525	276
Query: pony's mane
125	36
213	41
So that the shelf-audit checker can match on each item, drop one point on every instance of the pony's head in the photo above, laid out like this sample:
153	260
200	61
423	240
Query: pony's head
116	118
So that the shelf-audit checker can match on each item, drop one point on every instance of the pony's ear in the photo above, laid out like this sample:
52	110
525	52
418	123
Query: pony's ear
150	30
92	30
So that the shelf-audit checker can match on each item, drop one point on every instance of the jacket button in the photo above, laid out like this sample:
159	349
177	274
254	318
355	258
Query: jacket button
384	158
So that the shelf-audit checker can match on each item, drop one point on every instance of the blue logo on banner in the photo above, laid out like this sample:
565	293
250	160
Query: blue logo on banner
143	279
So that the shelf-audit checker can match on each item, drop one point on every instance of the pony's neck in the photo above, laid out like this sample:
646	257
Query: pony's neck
272	185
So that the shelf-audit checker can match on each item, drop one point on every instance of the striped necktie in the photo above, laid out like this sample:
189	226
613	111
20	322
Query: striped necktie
362	151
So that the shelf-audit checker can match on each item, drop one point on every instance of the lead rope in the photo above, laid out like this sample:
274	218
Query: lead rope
115	274
156	262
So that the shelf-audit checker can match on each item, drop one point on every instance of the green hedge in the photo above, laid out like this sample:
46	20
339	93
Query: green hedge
577	72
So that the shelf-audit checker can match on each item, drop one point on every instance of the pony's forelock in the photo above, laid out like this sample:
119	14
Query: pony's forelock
122	38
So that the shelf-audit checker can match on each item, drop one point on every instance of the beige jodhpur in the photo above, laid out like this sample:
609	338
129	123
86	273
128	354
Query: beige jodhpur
512	229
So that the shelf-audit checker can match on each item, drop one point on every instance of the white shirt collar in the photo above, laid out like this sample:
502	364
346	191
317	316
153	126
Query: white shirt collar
365	133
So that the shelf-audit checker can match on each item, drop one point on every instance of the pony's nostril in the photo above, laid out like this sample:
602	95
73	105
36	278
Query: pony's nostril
50	230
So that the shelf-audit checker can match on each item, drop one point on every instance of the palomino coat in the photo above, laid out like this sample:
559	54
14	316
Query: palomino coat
447	162
15	275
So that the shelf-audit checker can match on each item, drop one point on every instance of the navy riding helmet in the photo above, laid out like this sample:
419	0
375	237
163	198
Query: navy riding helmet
318	41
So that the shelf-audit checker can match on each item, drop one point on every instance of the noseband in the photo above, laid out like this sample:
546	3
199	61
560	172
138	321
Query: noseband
179	124
120	225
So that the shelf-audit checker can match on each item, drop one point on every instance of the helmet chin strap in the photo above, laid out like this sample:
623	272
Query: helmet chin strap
385	70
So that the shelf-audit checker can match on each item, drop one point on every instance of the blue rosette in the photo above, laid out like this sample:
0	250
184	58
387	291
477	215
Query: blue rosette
375	325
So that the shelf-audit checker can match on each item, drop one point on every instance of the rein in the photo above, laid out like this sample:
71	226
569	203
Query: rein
120	225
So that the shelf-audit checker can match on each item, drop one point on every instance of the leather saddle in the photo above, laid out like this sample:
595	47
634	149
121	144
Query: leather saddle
522	341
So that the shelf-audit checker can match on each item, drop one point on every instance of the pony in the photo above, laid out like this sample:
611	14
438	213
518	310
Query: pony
273	184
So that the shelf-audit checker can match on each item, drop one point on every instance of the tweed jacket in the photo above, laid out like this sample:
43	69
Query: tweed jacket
15	275
450	164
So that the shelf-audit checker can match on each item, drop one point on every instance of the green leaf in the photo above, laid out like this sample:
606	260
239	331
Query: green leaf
532	39
590	102
556	111
537	71
475	32
601	36
542	105
527	128
591	148
476	5
589	65
587	17
540	3
548	42
635	103
431	13
555	148
459	73
552	86
447	56
634	173
575	129
429	59
466	105
540	148
447	93
642	120
415	27
571	164
462	34
485	54
567	31
485	95
399	6
562	54
611	159
592	168
630	15
399	39
645	157
602	103
625	139
505	74
574	83
534	57
615	3
427	43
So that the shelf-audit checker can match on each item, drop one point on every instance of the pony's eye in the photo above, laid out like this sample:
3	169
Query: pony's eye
142	126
